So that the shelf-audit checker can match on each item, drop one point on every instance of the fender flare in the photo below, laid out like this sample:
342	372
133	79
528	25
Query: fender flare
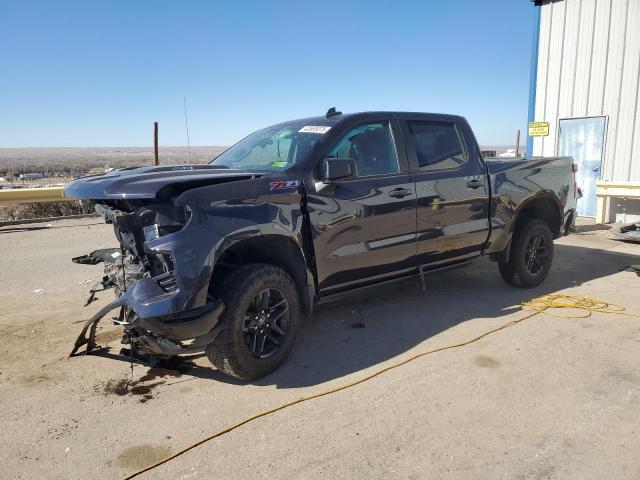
289	255
526	203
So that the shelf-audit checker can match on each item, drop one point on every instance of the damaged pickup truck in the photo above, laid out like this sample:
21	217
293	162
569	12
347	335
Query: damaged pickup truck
226	258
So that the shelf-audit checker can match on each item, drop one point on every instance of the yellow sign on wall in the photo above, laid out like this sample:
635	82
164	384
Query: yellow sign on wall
538	129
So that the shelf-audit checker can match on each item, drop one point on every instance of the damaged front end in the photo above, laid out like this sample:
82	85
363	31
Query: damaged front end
162	292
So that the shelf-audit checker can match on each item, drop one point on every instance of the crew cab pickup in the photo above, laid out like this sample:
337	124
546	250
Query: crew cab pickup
227	257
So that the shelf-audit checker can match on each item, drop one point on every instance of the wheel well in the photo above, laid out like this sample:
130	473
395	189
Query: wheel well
542	208
276	250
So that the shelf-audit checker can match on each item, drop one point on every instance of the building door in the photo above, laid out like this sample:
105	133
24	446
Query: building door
583	139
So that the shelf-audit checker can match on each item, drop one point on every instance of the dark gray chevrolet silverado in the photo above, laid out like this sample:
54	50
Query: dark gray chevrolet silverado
227	257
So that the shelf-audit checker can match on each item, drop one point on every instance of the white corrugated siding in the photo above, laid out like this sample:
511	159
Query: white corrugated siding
583	64
589	65
628	126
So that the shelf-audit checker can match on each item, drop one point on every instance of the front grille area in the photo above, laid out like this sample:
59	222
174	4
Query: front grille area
167	282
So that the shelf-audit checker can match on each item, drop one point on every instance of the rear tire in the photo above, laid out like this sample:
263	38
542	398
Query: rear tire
259	324
531	255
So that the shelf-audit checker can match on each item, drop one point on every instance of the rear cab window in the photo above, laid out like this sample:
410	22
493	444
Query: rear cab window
438	145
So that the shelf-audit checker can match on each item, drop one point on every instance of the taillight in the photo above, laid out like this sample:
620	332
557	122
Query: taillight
574	169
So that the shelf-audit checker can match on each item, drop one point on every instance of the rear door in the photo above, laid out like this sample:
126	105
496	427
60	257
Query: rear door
364	229
451	187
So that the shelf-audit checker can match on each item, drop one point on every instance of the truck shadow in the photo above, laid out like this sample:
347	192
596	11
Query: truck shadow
387	321
383	322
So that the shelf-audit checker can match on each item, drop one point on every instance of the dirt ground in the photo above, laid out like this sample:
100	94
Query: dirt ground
548	398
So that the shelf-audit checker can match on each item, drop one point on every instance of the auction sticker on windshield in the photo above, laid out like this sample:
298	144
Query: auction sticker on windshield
314	129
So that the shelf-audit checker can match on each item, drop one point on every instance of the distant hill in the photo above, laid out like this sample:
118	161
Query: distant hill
76	159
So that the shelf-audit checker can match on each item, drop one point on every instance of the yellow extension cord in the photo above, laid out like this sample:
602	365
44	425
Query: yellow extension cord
537	305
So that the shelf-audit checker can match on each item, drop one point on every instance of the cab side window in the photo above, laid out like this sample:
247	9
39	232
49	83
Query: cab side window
372	148
438	145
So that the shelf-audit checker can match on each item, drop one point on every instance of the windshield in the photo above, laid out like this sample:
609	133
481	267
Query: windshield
273	148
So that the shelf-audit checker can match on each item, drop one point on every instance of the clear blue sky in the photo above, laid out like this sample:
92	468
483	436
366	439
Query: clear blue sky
98	73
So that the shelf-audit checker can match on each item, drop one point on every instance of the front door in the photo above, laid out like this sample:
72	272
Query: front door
583	139
364	228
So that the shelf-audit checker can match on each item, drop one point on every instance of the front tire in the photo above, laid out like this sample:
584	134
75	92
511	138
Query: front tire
259	324
531	255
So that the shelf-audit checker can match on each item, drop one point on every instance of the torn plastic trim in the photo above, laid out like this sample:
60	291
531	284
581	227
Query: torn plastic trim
97	256
91	325
195	324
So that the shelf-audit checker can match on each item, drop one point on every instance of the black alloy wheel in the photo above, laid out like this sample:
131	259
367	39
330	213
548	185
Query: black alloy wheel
259	324
266	323
531	255
536	254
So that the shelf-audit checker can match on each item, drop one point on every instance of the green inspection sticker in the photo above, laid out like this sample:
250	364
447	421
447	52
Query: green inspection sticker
279	164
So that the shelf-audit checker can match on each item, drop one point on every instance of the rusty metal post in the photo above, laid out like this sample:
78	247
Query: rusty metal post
517	143
156	161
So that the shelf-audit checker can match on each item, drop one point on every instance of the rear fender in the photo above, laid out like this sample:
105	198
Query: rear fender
543	205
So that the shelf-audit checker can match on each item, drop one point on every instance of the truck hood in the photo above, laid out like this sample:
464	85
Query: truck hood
151	182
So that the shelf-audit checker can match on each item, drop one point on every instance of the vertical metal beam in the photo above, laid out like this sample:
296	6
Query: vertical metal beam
591	38
547	58
606	59
533	74
564	32
575	62
156	160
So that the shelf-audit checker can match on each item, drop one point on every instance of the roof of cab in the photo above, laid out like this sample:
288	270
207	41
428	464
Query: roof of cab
322	120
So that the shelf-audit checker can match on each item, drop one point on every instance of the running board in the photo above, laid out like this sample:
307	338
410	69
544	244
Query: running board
421	270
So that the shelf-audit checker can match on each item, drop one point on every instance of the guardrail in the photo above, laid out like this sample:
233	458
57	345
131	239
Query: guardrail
32	195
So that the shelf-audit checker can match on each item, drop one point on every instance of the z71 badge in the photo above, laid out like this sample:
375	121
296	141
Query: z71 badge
284	185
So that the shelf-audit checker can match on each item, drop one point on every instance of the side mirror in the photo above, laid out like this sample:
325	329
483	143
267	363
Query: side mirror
338	169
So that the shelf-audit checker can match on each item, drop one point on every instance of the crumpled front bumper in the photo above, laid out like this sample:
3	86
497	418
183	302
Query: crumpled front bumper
183	325
174	306
191	324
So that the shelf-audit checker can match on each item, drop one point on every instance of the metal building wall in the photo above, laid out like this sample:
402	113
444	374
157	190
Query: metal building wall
589	65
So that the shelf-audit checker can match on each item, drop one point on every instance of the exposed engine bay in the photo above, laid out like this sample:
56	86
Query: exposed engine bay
138	275
130	262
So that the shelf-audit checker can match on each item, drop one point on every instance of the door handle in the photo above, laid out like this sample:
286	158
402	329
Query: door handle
475	183
400	192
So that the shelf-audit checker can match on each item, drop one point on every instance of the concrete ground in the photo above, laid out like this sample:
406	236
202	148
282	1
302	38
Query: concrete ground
547	398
